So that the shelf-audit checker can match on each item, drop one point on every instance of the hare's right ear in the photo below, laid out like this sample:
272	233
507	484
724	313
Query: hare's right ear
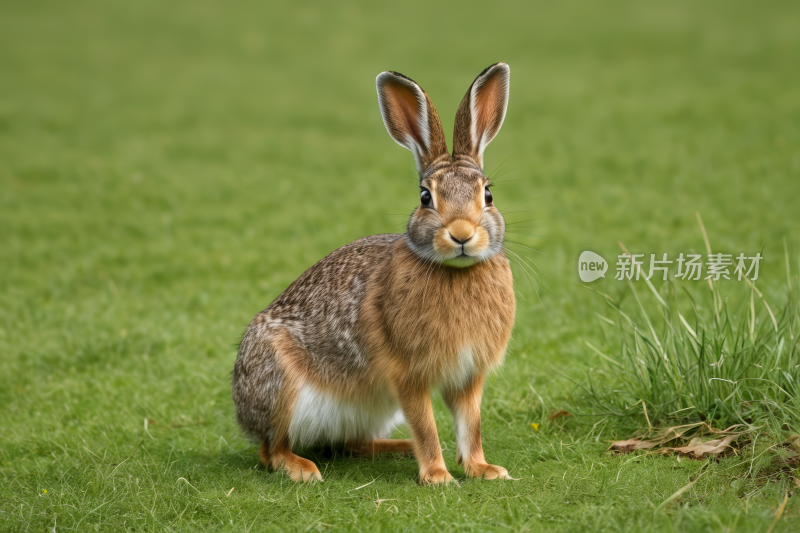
481	112
410	118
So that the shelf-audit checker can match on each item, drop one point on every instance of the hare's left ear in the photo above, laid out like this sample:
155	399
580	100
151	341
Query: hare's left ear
410	118
481	112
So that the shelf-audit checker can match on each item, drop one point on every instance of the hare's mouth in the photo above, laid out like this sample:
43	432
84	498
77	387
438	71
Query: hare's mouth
461	261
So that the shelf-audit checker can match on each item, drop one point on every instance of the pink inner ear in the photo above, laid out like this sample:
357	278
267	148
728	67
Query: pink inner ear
404	111
487	105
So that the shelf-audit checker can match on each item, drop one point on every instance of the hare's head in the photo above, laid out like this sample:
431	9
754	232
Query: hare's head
456	222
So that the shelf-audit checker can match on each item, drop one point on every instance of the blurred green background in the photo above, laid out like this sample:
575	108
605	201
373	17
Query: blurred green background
167	169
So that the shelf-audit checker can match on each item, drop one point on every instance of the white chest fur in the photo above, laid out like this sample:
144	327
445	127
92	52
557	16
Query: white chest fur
461	371
320	418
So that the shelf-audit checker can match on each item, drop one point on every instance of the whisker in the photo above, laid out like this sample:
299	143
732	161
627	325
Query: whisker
526	264
532	269
438	267
528	247
527	274
529	220
513	169
520	294
525	201
419	265
496	183
528	234
500	165
427	278
513	285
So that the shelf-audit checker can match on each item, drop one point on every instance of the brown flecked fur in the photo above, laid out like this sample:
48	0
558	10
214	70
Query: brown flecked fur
366	334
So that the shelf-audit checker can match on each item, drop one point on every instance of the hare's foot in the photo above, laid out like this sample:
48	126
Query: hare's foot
486	471
296	467
371	448
435	476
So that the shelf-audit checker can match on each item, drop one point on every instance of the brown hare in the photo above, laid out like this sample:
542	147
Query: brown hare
357	344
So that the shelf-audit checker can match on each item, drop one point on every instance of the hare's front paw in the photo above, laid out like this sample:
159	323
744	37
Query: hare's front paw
486	471
435	476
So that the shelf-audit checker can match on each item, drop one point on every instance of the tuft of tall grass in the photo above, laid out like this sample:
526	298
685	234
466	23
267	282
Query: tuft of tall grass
728	363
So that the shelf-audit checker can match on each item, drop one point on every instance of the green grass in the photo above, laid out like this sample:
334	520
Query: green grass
166	170
725	365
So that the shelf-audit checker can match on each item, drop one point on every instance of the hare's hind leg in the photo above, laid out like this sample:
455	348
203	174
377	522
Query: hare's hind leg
276	452
371	448
282	458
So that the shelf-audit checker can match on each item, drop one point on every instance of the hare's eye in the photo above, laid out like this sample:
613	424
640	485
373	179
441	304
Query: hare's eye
425	197
487	196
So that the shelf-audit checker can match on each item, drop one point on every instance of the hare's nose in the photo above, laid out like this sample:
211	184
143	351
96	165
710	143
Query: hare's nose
460	231
459	241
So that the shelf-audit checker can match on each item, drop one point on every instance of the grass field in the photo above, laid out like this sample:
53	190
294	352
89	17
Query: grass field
167	169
